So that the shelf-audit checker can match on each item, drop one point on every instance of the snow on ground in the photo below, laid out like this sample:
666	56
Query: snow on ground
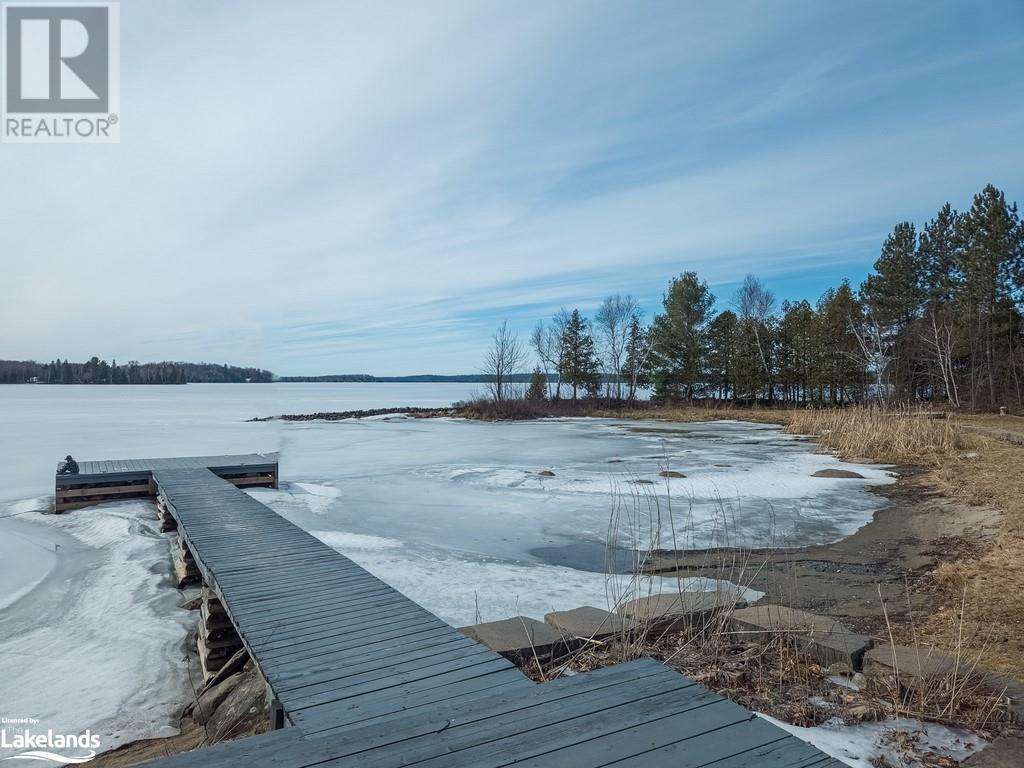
856	745
97	641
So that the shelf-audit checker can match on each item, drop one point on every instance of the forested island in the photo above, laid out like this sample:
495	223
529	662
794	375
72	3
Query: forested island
96	371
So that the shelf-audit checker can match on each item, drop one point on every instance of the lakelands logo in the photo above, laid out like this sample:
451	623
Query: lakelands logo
61	74
42	746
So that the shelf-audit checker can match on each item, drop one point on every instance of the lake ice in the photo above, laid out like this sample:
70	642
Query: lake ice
453	513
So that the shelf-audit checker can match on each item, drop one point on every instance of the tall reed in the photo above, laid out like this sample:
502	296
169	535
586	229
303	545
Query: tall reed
902	434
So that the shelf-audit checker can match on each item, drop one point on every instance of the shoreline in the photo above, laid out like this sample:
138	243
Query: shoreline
868	575
844	571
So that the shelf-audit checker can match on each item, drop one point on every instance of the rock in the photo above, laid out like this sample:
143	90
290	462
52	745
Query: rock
642	482
588	622
191	604
859	680
840	668
243	711
824	639
670	473
232	666
916	663
1004	752
1012	692
968	455
212	698
546	473
838	473
517	638
677	610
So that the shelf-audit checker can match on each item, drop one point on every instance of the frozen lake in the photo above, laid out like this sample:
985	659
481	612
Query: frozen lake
455	514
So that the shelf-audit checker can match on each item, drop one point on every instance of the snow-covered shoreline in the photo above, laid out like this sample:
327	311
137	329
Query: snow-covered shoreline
98	641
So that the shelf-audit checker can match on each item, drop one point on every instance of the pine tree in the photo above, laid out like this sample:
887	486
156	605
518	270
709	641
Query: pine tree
721	347
841	370
992	265
537	390
680	337
579	367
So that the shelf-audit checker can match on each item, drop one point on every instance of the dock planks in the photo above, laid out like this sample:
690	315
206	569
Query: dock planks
367	677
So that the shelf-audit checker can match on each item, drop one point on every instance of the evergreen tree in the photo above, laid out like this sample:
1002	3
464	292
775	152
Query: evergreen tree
841	368
721	348
680	337
537	390
992	266
579	367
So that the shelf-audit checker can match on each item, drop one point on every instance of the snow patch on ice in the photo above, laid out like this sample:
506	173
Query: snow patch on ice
857	744
343	541
316	498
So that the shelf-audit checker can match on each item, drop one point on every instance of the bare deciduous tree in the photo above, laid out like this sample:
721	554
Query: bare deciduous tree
613	319
940	339
873	354
506	354
755	305
546	342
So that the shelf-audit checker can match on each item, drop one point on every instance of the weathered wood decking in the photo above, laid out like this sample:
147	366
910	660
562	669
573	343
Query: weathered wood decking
118	479
366	677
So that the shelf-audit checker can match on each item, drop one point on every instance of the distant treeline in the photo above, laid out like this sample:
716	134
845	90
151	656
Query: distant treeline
470	378
96	371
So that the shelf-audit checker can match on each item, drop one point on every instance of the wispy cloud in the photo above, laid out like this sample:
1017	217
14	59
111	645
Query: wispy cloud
331	187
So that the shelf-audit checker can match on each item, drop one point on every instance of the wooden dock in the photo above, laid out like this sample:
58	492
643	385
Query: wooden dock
119	479
359	675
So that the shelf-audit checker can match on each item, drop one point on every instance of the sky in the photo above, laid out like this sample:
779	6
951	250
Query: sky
350	187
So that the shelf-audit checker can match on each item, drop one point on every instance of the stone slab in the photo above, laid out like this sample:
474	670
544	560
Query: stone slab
588	622
823	638
678	609
1004	752
518	637
918	663
838	473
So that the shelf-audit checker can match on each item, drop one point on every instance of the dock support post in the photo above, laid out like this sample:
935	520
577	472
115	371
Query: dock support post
276	712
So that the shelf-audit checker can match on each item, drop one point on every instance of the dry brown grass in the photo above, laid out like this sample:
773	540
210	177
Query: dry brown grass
993	614
898	436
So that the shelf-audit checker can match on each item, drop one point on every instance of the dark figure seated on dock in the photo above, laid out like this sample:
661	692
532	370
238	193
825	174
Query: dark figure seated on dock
68	467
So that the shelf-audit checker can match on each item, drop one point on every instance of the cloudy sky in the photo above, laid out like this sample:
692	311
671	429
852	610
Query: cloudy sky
336	187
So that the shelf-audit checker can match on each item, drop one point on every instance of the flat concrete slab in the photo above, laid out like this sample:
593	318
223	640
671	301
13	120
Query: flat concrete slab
824	639
518	637
588	622
678	609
